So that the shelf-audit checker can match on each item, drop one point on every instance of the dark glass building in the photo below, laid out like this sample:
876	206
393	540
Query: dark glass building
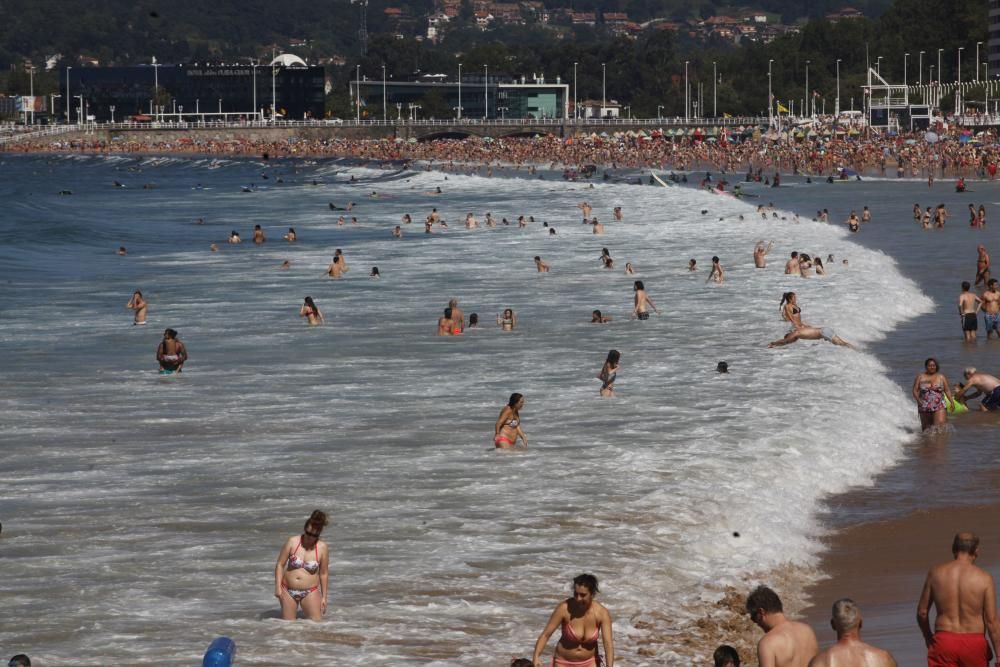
212	91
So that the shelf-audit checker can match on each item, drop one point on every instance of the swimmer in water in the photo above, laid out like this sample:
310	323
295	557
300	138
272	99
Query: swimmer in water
258	235
760	254
122	251
692	265
285	265
397	233
297	579
507	429
598	228
540	265
618	214
629	269
336	268
171	353
213	248
447	326
717	274
608	373
641	300
234	237
311	312
374	273
473	321
139	305
290	236
507	321
597	318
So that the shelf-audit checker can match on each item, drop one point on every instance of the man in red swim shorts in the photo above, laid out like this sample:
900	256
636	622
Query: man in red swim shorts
964	597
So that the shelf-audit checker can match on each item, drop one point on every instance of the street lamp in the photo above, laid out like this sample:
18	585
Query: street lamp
180	112
604	88
576	114
253	67
978	44
715	90
52	103
156	82
958	90
486	91
836	106
770	97
687	105
808	96
357	99
459	91
920	68
940	71
31	74
628	110
384	99
68	97
878	65
659	108
906	56
112	108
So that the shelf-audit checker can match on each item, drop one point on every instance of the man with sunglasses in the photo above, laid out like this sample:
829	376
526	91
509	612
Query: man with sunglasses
785	643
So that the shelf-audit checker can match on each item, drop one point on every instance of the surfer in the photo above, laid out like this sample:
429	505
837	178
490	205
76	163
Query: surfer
311	312
171	353
929	389
138	304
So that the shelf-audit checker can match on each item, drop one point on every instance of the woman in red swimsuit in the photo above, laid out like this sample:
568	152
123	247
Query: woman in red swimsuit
301	575
583	622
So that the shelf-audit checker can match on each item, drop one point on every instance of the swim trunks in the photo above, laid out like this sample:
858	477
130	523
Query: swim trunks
969	322
991	401
990	321
956	649
642	316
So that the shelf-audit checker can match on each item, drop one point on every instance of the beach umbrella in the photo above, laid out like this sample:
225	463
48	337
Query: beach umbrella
931	137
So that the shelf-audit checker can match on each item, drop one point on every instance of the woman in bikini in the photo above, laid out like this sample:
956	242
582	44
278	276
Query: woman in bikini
929	390
507	321
508	427
311	312
608	373
790	312
300	581
139	305
583	621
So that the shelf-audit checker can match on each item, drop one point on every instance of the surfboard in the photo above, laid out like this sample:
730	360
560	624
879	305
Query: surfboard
661	181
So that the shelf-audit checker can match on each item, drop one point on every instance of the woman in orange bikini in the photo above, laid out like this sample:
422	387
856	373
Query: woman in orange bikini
583	622
508	426
298	581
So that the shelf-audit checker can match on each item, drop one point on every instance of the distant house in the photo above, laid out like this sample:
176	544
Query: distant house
506	12
298	43
584	18
846	13
483	19
669	26
615	18
595	109
435	24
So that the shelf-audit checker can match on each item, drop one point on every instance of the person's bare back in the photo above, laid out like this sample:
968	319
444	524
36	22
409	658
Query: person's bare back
789	644
853	654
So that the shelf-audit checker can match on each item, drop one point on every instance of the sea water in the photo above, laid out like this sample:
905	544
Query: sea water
143	514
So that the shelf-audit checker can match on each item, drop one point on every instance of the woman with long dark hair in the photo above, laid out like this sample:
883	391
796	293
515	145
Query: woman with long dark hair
508	426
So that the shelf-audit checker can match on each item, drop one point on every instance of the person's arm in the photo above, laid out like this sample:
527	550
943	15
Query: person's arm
513	317
554	620
324	578
501	419
979	303
924	611
182	353
947	388
319	314
279	569
302	311
608	638
652	305
520	433
916	389
990	615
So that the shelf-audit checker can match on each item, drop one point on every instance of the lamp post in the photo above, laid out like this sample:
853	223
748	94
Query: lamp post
770	97
253	67
878	65
715	90
384	118
604	88
659	109
687	104
906	56
357	98
399	111
940	71
156	83
274	89
576	114
459	91
180	113
836	106
112	108
958	90
68	97
486	92
808	96
628	110
978	44
31	74
52	103
920	68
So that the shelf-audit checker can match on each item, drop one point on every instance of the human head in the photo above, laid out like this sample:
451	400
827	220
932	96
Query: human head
846	616
992	283
715	259
638	285
927	364
761	602
726	656
966	286
515	400
314	525
965	543
521	662
614	356
170	333
473	319
453	303
19	660
309	301
256	227
692	262
795	253
787	297
552	231
507	312
137	293
596	316
375	271
538	258
447	313
969	372
587	581
723	367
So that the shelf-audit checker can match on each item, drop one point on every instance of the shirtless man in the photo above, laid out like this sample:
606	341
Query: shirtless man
965	599
641	300
618	214
968	306
540	265
940	216
716	274
171	353
598	227
981	384
760	253
991	309
849	649
785	643
457	316
586	208
982	266
792	265
258	235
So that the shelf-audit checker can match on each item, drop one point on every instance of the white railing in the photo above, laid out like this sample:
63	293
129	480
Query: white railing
45	131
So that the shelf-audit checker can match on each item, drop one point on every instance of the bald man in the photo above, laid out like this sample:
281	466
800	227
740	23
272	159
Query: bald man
785	643
849	650
964	597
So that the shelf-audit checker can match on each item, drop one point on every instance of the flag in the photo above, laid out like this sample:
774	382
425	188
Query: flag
782	108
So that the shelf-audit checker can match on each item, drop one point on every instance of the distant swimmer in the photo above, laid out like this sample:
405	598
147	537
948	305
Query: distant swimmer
213	248
397	233
65	192
981	220
606	260
598	227
285	265
122	251
457	315
586	208
805	265
471	222
818	265
119	184
598	318
507	429
608	373
139	305
991	309
619	216
866	215
629	269
929	391
692	265
917	213
540	265
792	265
507	321
234	237
983	385
291	236
853	223
336	268
343	261
258	235
407	219
311	312
447	326
760	254
968	309
717	274
171	353
849	649
641	300
473	321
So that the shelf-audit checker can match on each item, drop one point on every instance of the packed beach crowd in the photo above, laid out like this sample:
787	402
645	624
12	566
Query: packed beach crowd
962	595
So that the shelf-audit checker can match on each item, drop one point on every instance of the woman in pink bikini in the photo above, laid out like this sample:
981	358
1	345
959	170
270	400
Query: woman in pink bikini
583	622
301	575
508	427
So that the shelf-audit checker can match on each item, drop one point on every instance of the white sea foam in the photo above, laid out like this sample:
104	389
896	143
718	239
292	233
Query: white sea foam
157	505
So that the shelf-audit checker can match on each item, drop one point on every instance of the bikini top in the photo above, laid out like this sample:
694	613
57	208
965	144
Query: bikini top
296	563
568	632
513	422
